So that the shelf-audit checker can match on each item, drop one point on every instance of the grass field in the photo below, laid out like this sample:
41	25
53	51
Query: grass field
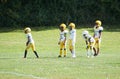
49	66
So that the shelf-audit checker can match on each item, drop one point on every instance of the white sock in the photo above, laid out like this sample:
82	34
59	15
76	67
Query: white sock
73	54
88	53
92	53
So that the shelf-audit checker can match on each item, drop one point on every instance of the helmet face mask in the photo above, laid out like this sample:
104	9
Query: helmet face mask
72	26
62	27
98	23
85	36
85	33
27	30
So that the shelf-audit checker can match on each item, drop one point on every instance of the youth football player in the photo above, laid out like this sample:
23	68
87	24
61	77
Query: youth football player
90	42
62	40
97	35
30	42
72	39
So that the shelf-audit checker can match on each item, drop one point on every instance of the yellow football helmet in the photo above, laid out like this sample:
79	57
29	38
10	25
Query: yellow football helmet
27	30
63	26
72	25
98	22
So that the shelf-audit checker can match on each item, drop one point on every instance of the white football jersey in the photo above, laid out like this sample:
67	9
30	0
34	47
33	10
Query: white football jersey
89	38
29	37
92	39
96	31
73	35
62	35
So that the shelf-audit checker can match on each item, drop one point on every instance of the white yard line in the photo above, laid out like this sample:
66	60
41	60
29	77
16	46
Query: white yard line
20	74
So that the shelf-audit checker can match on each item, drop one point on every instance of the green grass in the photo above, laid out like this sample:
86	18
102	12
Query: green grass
49	66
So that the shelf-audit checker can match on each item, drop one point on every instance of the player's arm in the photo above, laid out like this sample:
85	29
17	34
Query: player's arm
94	35
28	40
100	33
65	35
86	42
59	41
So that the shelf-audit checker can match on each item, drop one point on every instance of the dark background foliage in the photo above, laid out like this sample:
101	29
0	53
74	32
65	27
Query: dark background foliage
20	13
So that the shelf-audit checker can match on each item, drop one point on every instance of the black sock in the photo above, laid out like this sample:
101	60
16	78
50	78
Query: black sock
25	54
36	54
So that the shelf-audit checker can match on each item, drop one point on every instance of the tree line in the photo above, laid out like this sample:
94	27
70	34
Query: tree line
20	13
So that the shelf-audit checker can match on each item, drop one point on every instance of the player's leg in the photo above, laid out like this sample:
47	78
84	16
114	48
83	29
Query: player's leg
95	47
33	48
88	50
61	48
98	46
36	54
95	53
70	45
91	49
65	51
98	50
25	53
72	48
73	52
